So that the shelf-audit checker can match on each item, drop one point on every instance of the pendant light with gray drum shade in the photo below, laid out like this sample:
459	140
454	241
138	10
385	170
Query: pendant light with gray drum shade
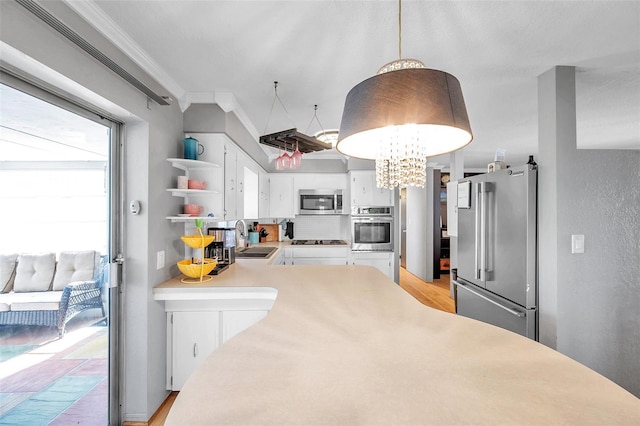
401	116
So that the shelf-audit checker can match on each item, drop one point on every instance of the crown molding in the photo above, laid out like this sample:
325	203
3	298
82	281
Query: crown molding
98	19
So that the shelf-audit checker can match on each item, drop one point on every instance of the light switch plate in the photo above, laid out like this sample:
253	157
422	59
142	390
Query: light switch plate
160	259
577	243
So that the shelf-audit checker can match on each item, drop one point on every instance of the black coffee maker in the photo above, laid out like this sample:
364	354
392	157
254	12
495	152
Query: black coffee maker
223	248
216	248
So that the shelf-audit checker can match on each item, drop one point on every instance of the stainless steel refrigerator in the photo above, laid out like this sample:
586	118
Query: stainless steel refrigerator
497	249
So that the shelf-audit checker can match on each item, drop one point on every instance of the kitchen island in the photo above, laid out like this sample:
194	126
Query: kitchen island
346	345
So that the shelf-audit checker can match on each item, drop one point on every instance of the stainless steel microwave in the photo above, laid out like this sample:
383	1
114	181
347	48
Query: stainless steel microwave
320	201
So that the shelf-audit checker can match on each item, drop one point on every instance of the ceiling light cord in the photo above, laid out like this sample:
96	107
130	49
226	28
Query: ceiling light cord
399	29
275	89
315	117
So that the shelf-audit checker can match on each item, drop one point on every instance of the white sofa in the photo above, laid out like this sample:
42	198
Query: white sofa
35	289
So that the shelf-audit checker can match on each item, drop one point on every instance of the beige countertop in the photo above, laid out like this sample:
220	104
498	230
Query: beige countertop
345	345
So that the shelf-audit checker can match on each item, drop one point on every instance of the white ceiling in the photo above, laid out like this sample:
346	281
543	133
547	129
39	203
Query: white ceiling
319	50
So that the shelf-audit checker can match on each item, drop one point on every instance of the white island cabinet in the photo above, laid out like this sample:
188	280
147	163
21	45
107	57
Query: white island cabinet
199	321
194	335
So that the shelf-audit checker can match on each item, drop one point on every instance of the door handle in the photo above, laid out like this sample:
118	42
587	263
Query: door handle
483	231
477	236
195	350
482	296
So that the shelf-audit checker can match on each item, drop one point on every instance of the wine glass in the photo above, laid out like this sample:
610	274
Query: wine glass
286	158
296	158
279	165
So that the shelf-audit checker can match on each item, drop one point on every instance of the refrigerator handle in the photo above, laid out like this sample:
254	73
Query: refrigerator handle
483	231
482	296
477	228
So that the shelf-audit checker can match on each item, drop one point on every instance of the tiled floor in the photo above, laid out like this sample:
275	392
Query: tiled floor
61	382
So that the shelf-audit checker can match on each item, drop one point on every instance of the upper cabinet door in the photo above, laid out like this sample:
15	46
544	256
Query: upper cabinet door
361	189
364	191
263	195
380	196
250	194
231	185
281	197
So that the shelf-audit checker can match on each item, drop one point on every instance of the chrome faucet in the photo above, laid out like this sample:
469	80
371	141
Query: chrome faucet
241	229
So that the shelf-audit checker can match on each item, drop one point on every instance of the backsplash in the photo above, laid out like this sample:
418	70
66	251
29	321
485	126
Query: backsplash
322	227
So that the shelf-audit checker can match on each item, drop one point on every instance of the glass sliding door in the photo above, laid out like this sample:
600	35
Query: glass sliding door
60	198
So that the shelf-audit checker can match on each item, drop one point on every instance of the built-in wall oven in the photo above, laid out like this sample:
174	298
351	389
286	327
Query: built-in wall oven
372	228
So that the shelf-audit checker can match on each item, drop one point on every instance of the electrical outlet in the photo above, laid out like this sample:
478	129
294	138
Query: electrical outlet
160	259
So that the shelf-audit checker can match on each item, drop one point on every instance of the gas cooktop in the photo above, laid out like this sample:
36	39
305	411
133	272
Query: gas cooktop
319	243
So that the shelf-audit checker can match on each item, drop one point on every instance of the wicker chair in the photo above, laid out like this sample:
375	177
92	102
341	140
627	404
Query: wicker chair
76	297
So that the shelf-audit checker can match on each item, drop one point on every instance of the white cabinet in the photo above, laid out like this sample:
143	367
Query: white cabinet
288	256
231	184
250	189
281	197
237	179
242	193
381	260
193	336
364	191
209	198
199	321
319	256
279	258
263	194
320	261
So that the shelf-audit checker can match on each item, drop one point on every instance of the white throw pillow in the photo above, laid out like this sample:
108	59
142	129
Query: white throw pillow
74	266
7	271
34	272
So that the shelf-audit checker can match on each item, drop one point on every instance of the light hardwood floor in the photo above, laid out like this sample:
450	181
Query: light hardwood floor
434	295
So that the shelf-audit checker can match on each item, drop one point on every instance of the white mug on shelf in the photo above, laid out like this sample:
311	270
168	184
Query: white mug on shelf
183	182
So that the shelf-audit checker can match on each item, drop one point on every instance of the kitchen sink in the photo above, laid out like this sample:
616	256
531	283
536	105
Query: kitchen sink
255	252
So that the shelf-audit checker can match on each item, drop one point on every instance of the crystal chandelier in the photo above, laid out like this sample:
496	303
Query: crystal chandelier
401	116
401	160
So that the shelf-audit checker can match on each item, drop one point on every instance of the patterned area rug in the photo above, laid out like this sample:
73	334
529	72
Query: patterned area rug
55	381
19	339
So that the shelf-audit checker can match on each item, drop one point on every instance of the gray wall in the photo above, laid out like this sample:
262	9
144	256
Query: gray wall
152	133
420	229
589	303
598	320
